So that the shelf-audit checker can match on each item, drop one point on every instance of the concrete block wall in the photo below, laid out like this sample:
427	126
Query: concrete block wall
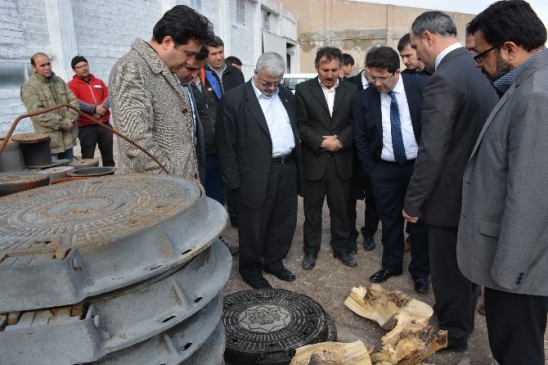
103	31
23	30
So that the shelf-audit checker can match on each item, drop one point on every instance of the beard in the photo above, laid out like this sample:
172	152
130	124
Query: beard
502	69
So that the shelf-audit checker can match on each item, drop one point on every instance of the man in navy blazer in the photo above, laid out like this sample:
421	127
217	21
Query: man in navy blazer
387	133
260	160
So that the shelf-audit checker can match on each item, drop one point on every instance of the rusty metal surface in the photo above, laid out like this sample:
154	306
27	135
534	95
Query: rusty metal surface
11	160
26	138
63	243
14	182
189	299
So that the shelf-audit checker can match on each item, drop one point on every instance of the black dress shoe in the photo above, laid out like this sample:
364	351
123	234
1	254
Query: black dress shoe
309	261
257	282
421	284
452	349
351	247
368	243
346	258
481	309
283	274
234	222
382	275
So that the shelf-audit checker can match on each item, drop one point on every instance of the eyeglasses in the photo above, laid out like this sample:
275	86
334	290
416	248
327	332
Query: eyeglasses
83	66
479	57
267	83
381	79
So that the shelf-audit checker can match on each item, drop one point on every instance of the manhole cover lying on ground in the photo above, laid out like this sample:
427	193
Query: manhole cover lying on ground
267	325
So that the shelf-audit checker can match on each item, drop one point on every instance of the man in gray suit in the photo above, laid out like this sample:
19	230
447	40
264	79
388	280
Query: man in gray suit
260	160
456	102
503	239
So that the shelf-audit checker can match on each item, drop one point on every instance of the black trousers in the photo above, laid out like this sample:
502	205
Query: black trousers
456	296
516	324
91	136
371	221
336	191
389	182
266	233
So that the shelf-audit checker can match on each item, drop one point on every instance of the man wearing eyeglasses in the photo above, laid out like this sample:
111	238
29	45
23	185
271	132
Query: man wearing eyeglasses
456	102
324	110
502	239
92	95
260	161
386	131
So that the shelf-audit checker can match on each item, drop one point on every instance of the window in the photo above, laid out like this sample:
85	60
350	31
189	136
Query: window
14	74
266	20
240	12
196	4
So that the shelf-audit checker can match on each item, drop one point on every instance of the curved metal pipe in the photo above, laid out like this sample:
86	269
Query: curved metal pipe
46	110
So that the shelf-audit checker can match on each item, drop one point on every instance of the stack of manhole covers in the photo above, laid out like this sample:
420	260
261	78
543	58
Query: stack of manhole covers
265	326
126	269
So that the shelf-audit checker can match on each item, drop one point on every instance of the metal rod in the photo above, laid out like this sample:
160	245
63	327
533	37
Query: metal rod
46	110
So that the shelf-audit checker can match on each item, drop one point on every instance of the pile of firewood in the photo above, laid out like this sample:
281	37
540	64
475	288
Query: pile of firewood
411	338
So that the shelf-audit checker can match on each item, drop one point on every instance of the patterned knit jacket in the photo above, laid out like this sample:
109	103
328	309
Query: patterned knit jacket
150	108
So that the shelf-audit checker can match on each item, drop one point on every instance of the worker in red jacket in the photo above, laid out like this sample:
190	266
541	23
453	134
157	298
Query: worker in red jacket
92	95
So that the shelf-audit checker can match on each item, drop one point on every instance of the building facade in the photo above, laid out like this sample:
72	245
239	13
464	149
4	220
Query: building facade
103	31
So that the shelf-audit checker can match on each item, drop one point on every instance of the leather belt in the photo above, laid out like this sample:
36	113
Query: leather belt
282	159
394	163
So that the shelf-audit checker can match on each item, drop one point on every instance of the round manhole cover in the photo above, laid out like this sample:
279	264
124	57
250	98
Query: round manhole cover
267	325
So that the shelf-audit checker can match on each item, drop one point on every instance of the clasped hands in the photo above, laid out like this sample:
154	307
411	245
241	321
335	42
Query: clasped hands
331	143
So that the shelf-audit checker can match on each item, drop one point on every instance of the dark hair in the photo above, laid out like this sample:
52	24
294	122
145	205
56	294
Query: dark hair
383	57
216	42
32	61
232	60
434	22
404	41
347	59
202	55
513	21
183	24
330	53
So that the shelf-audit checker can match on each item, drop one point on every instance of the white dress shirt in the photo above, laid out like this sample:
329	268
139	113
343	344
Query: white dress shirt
329	95
444	53
278	122
409	140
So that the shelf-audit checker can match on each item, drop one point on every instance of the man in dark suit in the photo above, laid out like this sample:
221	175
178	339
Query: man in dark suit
260	159
324	112
386	131
414	66
502	240
360	188
457	100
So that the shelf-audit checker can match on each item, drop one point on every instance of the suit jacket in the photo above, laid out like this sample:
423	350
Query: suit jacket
244	145
315	122
356	80
368	119
200	110
503	235
457	100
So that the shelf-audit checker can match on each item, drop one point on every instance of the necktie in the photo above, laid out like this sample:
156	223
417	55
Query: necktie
395	122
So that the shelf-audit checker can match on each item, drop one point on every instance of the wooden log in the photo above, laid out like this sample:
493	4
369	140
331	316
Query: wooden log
332	353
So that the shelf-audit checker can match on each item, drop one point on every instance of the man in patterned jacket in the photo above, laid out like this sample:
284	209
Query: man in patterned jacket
147	103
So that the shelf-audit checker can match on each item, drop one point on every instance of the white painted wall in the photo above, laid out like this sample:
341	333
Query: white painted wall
103	31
